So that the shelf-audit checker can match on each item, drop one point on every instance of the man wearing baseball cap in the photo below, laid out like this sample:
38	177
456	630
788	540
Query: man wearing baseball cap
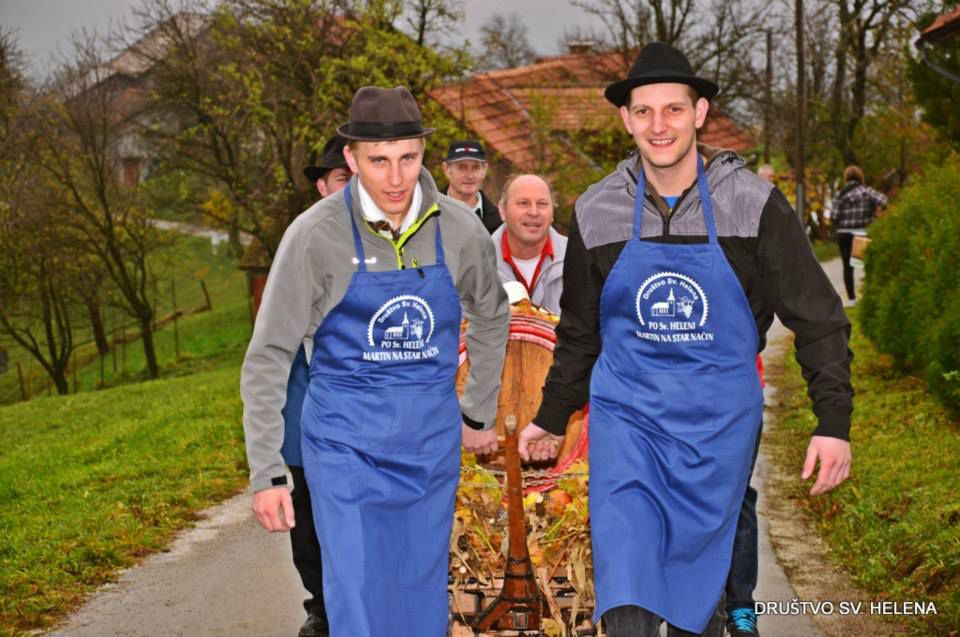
378	273
465	167
676	264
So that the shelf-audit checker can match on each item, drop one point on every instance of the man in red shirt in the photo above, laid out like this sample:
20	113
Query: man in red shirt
529	250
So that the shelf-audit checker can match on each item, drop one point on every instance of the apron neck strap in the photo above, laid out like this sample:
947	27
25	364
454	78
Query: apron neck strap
704	202
358	243
437	237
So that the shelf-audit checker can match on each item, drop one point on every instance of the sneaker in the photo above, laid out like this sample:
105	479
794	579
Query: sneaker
851	303
742	622
315	626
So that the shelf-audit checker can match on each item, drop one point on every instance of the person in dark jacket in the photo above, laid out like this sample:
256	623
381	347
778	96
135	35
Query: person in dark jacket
465	168
676	265
854	208
331	174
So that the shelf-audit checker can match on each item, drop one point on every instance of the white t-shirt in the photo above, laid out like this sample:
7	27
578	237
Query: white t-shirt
527	267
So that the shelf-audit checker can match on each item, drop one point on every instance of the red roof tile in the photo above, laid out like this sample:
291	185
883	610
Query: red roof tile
943	26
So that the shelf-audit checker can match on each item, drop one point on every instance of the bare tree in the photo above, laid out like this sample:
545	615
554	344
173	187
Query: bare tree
633	23
83	127
505	43
718	37
864	26
428	17
36	308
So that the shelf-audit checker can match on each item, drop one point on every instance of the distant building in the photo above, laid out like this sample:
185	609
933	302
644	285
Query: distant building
127	79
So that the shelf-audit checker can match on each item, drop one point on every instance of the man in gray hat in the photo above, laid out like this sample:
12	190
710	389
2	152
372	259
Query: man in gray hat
378	273
676	264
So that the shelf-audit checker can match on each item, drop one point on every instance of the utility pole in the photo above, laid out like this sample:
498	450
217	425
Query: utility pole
801	113
768	98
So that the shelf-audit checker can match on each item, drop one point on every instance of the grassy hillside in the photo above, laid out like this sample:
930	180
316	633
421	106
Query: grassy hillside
93	481
89	483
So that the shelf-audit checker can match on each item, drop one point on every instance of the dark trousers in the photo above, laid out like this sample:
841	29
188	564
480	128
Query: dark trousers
742	579
306	547
845	242
633	621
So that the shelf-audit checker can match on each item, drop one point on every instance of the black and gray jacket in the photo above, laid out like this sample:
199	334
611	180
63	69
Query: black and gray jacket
766	246
309	276
491	214
490	210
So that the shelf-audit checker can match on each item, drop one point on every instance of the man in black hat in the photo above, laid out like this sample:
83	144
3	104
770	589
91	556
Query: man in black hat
378	274
676	265
331	173
465	168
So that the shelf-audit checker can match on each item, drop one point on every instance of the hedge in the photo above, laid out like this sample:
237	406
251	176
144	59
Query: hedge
911	299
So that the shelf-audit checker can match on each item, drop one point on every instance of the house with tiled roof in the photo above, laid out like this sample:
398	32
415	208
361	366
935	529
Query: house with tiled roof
944	28
126	80
565	94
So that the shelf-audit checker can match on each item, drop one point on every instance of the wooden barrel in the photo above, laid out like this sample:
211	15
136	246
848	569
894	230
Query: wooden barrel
528	359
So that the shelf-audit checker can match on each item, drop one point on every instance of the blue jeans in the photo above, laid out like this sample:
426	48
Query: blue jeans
633	621
742	579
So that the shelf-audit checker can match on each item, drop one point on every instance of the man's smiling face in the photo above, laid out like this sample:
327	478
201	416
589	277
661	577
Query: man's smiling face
663	120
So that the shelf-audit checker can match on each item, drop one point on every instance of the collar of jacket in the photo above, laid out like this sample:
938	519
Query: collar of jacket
428	188
429	207
714	159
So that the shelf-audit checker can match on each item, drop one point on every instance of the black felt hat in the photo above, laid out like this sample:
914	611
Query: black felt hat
659	63
332	158
383	114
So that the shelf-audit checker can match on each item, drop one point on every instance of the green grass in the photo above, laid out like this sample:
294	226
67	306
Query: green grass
207	341
826	250
895	525
92	482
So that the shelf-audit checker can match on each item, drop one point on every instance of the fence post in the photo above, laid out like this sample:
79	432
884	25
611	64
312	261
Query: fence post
74	371
206	295
23	385
176	330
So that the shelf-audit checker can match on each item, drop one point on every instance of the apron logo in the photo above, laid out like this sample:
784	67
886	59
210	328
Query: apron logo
401	330
672	308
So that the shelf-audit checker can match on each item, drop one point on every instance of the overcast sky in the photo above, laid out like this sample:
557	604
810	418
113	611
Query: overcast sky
44	25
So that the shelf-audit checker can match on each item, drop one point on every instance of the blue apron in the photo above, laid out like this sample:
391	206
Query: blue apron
675	407
381	448
296	390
